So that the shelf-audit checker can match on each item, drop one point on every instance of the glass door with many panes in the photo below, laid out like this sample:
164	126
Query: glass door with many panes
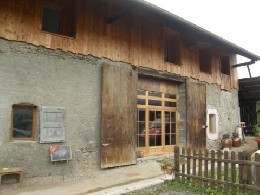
156	122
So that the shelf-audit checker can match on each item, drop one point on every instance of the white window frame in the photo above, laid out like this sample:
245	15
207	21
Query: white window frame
212	136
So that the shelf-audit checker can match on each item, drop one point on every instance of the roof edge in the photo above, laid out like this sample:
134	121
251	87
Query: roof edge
215	38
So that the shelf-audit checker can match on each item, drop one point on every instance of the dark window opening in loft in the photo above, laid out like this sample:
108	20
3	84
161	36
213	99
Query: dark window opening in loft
225	65
59	17
23	122
172	51
205	60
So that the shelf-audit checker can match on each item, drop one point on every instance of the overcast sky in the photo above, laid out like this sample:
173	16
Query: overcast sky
234	20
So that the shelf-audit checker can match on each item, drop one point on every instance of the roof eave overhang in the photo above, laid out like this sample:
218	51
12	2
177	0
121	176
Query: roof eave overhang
185	26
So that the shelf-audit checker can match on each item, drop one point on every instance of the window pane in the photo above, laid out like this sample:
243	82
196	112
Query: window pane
173	139
170	104
141	128
154	103
155	140
51	20
173	128
152	140
172	51
152	115
167	139
141	141
22	122
141	115
59	17
158	140
140	101
205	60
170	96
155	120
225	65
167	128
173	117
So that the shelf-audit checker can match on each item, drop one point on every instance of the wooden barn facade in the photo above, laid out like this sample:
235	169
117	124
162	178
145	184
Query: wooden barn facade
110	79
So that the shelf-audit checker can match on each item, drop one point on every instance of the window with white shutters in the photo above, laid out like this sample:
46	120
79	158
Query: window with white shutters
52	124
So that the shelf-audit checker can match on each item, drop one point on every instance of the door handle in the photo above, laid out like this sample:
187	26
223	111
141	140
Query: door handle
106	144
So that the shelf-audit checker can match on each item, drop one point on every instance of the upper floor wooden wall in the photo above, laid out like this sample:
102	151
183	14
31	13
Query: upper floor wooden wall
134	38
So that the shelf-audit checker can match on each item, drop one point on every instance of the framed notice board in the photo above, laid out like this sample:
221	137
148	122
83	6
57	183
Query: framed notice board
61	153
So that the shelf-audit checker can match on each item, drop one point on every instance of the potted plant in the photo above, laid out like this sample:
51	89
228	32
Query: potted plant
236	140
167	165
235	134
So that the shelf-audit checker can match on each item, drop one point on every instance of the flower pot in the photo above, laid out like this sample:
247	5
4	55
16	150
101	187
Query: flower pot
169	170
258	142
140	154
226	143
236	142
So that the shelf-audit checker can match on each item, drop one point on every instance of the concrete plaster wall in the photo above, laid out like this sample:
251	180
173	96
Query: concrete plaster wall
44	77
227	106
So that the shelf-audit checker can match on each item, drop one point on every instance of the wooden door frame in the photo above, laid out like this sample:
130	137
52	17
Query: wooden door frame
153	150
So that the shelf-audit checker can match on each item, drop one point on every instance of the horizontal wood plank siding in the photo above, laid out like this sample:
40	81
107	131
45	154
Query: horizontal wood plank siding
133	38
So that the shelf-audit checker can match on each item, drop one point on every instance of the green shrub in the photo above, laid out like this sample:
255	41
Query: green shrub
256	130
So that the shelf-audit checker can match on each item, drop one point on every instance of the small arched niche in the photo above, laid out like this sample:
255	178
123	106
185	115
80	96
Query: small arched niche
212	124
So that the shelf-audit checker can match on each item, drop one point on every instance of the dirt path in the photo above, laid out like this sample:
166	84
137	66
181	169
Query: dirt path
99	180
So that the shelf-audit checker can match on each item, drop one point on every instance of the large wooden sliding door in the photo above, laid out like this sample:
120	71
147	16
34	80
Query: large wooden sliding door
119	92
196	114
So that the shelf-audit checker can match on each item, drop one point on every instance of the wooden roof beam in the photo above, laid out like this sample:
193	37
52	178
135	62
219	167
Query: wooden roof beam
249	71
160	75
244	64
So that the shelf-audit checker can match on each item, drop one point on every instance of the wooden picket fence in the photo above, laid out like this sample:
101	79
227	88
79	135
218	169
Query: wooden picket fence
218	171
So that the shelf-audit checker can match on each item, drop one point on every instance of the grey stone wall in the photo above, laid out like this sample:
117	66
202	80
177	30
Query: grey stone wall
43	77
46	77
182	115
226	104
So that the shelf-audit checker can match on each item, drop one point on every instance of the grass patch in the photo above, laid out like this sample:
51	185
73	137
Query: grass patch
169	186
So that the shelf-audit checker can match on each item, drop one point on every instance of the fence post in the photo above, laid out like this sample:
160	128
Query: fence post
233	172
200	166
257	169
183	164
241	172
194	163
212	171
188	162
248	170
176	162
248	173
226	172
219	165
206	168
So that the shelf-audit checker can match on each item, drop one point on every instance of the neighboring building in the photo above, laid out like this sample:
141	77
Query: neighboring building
109	78
249	102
